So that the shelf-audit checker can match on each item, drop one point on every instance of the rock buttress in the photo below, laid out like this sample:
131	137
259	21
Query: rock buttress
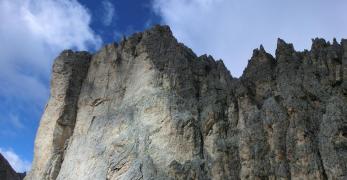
58	121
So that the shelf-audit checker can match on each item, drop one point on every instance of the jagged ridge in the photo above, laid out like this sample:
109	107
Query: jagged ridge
149	108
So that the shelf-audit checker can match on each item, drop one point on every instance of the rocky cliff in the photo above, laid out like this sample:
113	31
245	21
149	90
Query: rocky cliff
7	172
149	108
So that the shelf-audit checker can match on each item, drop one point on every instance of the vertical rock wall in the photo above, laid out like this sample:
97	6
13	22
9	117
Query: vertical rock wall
58	121
149	108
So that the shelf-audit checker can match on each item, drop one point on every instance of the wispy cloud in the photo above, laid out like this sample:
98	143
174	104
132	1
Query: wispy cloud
231	29
18	164
108	12
35	32
16	122
32	35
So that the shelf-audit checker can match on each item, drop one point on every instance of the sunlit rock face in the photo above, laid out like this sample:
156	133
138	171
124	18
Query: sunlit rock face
149	108
7	172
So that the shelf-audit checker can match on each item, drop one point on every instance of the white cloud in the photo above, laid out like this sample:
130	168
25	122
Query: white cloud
32	34
231	29
109	12
15	161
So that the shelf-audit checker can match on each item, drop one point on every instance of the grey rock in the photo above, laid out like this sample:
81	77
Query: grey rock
149	108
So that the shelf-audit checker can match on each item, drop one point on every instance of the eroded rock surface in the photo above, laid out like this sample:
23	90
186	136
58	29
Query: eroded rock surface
149	108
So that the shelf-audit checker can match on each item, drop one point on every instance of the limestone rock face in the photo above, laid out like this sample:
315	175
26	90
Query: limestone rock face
6	171
149	108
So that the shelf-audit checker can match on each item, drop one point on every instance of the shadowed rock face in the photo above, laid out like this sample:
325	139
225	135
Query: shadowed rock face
149	108
6	171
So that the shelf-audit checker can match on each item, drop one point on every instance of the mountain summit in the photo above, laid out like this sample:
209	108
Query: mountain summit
149	108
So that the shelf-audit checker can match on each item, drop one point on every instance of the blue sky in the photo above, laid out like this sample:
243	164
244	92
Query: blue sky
33	32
